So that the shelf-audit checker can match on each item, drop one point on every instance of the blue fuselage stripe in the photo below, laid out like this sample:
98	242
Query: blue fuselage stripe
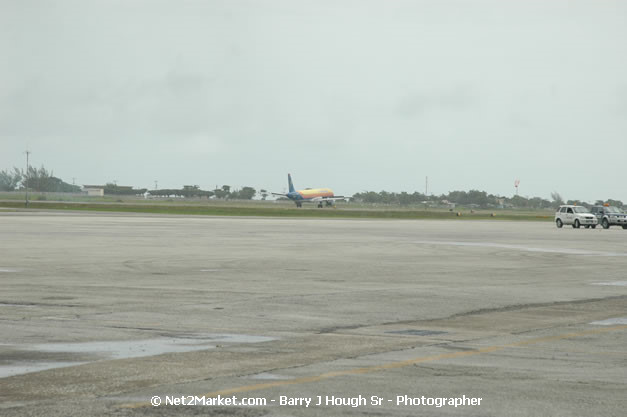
295	196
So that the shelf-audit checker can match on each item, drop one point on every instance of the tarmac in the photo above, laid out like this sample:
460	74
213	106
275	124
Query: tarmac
102	313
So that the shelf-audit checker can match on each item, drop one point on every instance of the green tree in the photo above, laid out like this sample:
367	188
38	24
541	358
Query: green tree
615	203
112	188
247	193
539	203
40	179
577	203
10	181
557	199
404	199
518	201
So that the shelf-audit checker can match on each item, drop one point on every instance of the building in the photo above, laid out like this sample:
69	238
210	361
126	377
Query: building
93	190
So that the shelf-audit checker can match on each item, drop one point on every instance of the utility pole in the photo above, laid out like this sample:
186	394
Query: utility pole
426	186
27	175
156	185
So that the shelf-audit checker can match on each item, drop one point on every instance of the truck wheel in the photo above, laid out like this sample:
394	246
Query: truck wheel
559	223
605	224
576	225
625	226
594	226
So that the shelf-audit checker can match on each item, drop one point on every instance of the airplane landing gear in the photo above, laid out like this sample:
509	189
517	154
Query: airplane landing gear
319	205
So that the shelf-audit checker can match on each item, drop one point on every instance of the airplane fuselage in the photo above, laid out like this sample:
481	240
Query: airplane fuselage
321	196
304	195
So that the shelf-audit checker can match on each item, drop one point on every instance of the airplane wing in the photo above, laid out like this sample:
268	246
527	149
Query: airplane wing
282	195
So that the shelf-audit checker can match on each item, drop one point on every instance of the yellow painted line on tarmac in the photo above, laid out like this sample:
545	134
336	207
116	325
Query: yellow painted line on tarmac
394	365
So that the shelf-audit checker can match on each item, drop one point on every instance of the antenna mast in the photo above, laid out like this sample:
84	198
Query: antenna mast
27	175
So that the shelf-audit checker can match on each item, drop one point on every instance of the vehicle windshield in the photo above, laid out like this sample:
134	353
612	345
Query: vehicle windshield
580	209
612	209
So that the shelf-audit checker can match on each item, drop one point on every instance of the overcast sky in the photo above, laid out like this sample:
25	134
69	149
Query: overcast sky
351	95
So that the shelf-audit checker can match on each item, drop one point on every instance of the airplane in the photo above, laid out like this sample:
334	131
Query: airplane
310	195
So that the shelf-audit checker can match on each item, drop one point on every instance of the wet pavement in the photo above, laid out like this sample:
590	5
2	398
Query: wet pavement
101	312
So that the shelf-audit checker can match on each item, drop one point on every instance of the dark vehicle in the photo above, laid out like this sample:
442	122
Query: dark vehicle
609	216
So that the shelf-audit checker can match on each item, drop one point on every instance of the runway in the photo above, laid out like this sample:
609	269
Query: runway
100	313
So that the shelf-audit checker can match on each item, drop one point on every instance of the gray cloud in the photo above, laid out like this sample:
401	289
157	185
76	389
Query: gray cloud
349	94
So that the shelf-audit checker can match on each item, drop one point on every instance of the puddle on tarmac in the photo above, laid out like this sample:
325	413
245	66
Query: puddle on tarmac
8	270
120	349
20	368
616	283
611	322
565	251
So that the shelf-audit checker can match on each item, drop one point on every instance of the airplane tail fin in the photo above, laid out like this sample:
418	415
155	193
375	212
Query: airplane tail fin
289	182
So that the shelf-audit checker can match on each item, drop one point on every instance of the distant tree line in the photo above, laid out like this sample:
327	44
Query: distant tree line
42	180
112	188
10	180
246	193
610	202
36	179
470	198
187	191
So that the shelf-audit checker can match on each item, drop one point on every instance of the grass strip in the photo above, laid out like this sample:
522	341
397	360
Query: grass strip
274	211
